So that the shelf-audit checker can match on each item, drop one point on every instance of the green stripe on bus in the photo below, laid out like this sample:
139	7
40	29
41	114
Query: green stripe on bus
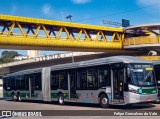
22	94
55	95
65	95
148	91
7	95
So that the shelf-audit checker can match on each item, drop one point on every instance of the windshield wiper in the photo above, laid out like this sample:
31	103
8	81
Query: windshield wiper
146	77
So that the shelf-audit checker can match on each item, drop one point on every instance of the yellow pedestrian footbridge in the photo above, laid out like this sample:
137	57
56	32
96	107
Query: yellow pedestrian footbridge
38	34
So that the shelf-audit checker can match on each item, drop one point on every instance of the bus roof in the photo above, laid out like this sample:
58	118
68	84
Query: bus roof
94	62
156	62
28	71
100	61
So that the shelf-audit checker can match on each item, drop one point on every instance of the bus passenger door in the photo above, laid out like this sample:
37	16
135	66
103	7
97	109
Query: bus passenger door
72	84
117	74
31	86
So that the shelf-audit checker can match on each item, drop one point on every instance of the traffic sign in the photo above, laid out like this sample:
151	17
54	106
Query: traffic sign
125	23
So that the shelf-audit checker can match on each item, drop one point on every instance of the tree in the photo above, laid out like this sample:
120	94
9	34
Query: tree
8	56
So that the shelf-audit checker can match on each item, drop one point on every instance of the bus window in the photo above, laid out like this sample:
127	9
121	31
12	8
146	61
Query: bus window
6	83
81	79
12	83
26	78
20	82
103	77
63	81
54	81
92	81
38	81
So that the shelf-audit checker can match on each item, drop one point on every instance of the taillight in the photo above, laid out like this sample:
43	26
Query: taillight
149	100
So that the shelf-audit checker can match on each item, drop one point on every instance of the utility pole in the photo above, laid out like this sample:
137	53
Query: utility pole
69	17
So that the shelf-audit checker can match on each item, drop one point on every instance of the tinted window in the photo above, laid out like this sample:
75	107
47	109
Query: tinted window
82	79
20	82
54	81
38	81
104	76
93	77
59	80
26	78
6	83
12	83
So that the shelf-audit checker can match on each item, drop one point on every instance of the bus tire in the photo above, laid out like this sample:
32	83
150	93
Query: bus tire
14	97
61	99
19	98
128	106
104	101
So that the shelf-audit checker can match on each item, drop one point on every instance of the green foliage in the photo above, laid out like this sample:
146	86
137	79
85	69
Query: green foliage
8	56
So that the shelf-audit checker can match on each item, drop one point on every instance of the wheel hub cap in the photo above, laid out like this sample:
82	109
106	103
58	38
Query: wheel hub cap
104	101
61	100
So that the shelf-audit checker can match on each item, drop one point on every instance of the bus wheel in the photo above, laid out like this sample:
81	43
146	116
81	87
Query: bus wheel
104	101
14	97
18	98
61	99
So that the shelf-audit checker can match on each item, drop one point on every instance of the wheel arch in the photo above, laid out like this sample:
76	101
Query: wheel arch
18	92
101	93
60	92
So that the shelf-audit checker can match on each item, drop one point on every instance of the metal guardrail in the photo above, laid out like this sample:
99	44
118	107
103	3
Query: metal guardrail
48	57
142	40
17	63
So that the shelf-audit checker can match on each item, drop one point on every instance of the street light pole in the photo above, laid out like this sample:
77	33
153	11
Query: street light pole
69	17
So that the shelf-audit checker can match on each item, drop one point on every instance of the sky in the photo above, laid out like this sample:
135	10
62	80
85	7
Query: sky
85	11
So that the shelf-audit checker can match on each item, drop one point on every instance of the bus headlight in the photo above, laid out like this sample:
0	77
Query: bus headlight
139	91
133	90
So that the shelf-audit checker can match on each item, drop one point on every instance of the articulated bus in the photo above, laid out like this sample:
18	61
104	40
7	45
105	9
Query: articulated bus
117	80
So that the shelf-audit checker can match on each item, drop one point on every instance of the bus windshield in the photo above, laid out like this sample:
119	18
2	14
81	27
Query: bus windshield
142	75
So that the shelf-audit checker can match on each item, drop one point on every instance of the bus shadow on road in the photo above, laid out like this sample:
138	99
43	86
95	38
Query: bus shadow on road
143	106
122	107
70	104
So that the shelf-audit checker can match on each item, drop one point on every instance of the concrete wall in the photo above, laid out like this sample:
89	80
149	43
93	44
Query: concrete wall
1	88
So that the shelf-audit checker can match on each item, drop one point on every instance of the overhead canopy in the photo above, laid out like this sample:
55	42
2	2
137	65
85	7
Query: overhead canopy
143	29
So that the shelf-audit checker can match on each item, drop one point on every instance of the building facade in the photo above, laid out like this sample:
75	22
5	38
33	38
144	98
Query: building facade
33	53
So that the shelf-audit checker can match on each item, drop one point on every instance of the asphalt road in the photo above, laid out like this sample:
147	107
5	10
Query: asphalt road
38	105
